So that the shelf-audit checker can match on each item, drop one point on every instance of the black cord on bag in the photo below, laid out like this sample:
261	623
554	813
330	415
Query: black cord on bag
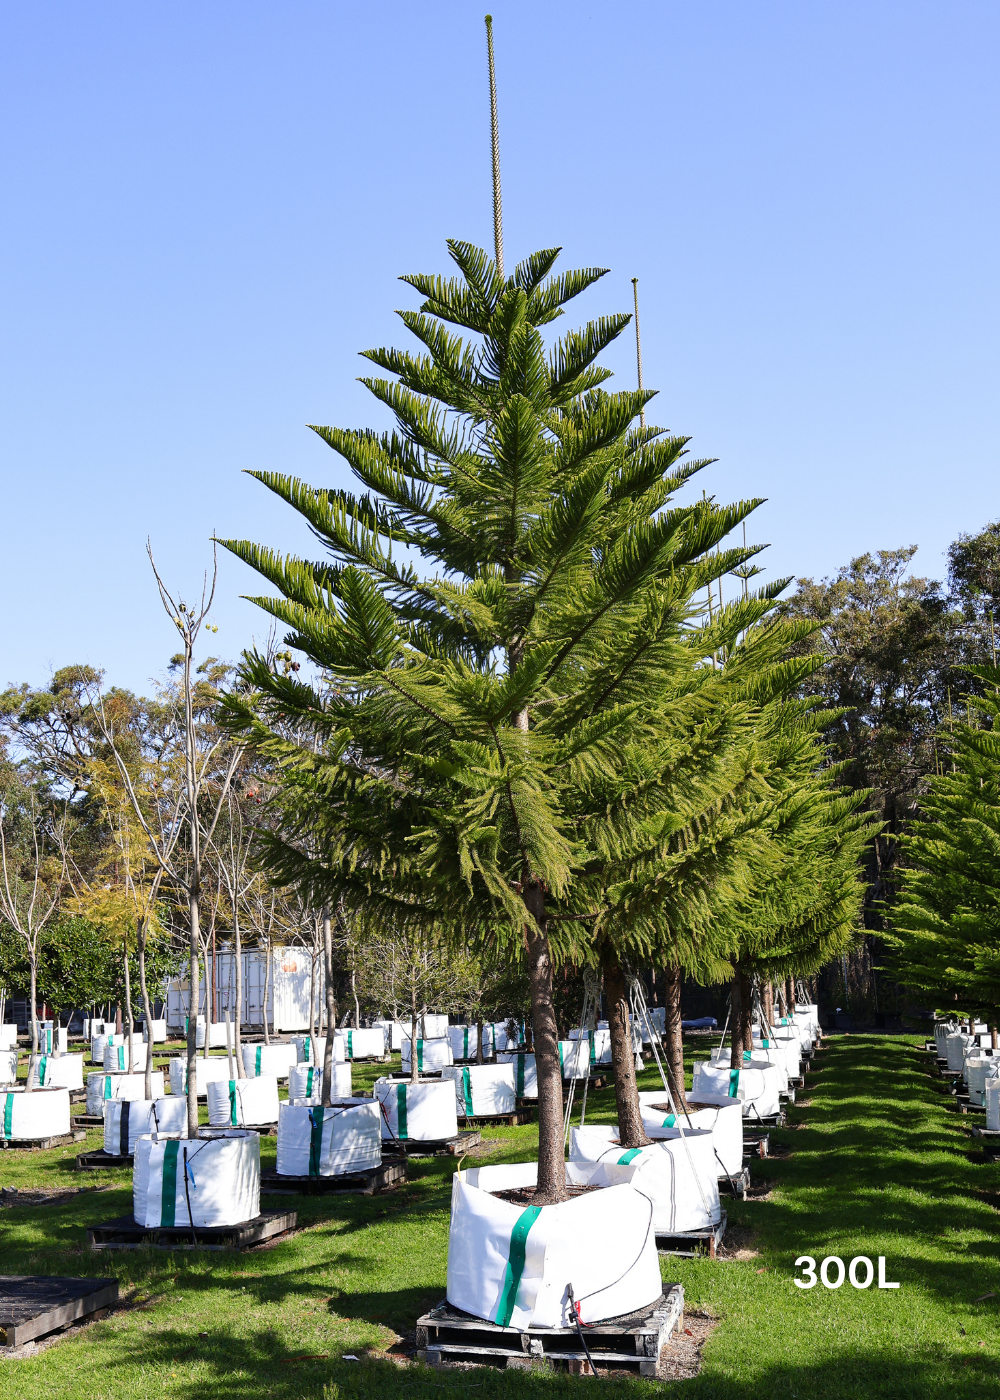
579	1329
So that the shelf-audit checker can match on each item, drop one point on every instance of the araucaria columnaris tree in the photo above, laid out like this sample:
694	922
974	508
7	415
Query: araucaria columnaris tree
493	595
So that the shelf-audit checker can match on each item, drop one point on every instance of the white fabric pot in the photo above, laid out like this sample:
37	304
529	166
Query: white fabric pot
955	1048
159	1033
368	1041
8	1066
723	1120
780	1051
416	1112
243	1103
57	1072
978	1071
305	1083
105	1088
464	1041
991	1096
206	1072
8	1037
525	1074
329	1141
275	1059
755	1086
503	1039
513	1266
679	1176
310	1050
219	1175
574	1058
126	1120
756	1059
99	1044
431	1055
482	1090
432	1026
942	1031
216	1035
52	1040
42	1113
394	1032
116	1058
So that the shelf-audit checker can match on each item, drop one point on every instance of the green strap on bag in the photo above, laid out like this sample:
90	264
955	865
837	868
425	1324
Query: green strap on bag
309	1082
670	1120
257	1061
315	1140
168	1193
562	1067
107	1086
520	1076
420	1056
629	1156
467	1091
8	1114
747	1056
515	1264
43	1065
401	1130
232	1103
734	1082
350	1045
465	1044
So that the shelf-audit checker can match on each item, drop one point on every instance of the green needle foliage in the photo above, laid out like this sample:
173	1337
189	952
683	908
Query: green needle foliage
504	612
946	921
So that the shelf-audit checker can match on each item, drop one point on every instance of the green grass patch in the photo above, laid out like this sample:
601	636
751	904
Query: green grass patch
879	1165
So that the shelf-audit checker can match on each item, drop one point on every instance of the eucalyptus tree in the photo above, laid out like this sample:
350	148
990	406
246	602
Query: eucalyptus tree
512	528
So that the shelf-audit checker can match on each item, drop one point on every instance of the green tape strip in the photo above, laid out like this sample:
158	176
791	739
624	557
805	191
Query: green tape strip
309	1082
670	1120
520	1076
168	1194
747	1056
43	1065
734	1082
350	1045
420	1056
259	1049
401	1129
467	1091
465	1044
8	1114
315	1140
561	1065
593	1048
107	1086
515	1264
629	1156
232	1103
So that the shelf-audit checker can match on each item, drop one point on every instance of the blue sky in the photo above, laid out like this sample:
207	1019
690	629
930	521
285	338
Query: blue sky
206	207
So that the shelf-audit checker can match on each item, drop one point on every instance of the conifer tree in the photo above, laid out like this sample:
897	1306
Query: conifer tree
493	598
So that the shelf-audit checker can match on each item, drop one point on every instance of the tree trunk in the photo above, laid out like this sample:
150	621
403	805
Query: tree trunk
140	939
267	989
791	996
357	1008
630	1129
767	1002
33	1057
993	1037
130	1019
674	1037
735	1023
414	1071
238	1015
192	1031
746	1009
331	1007
551	1161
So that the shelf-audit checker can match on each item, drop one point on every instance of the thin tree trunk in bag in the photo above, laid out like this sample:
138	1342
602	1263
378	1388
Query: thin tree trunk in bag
192	1032
674	1038
630	1130
140	938
746	1009
331	1007
735	1023
551	1161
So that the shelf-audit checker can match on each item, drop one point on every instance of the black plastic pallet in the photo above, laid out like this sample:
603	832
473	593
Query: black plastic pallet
391	1173
41	1144
688	1244
438	1147
33	1306
101	1161
448	1337
124	1233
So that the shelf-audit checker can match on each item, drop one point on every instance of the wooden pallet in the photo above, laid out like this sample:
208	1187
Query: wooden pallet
788	1094
769	1120
448	1337
499	1120
124	1233
101	1161
391	1173
87	1120
438	1147
41	1144
989	1140
688	1244
736	1185
756	1144
32	1306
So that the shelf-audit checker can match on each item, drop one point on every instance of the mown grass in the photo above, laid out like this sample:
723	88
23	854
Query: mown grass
879	1164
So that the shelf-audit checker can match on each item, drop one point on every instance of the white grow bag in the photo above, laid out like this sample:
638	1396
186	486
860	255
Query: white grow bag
42	1113
464	1041
216	1035
724	1120
394	1032
780	1050
8	1037
955	1048
116	1058
206	1072
57	1072
328	1141
275	1059
243	1103
305	1083
502	1040
482	1090
99	1044
52	1040
159	1033
310	1050
126	1120
679	1176
432	1055
991	1095
979	1071
942	1031
367	1042
755	1059
416	1112
512	1265
8	1066
432	1026
574	1058
756	1086
218	1174
107	1088
525	1073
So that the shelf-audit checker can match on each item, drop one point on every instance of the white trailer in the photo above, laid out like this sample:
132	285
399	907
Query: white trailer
287	993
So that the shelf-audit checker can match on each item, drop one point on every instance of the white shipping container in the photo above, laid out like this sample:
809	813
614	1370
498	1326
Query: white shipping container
287	998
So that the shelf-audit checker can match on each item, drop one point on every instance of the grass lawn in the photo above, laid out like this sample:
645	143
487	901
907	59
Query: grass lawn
878	1164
